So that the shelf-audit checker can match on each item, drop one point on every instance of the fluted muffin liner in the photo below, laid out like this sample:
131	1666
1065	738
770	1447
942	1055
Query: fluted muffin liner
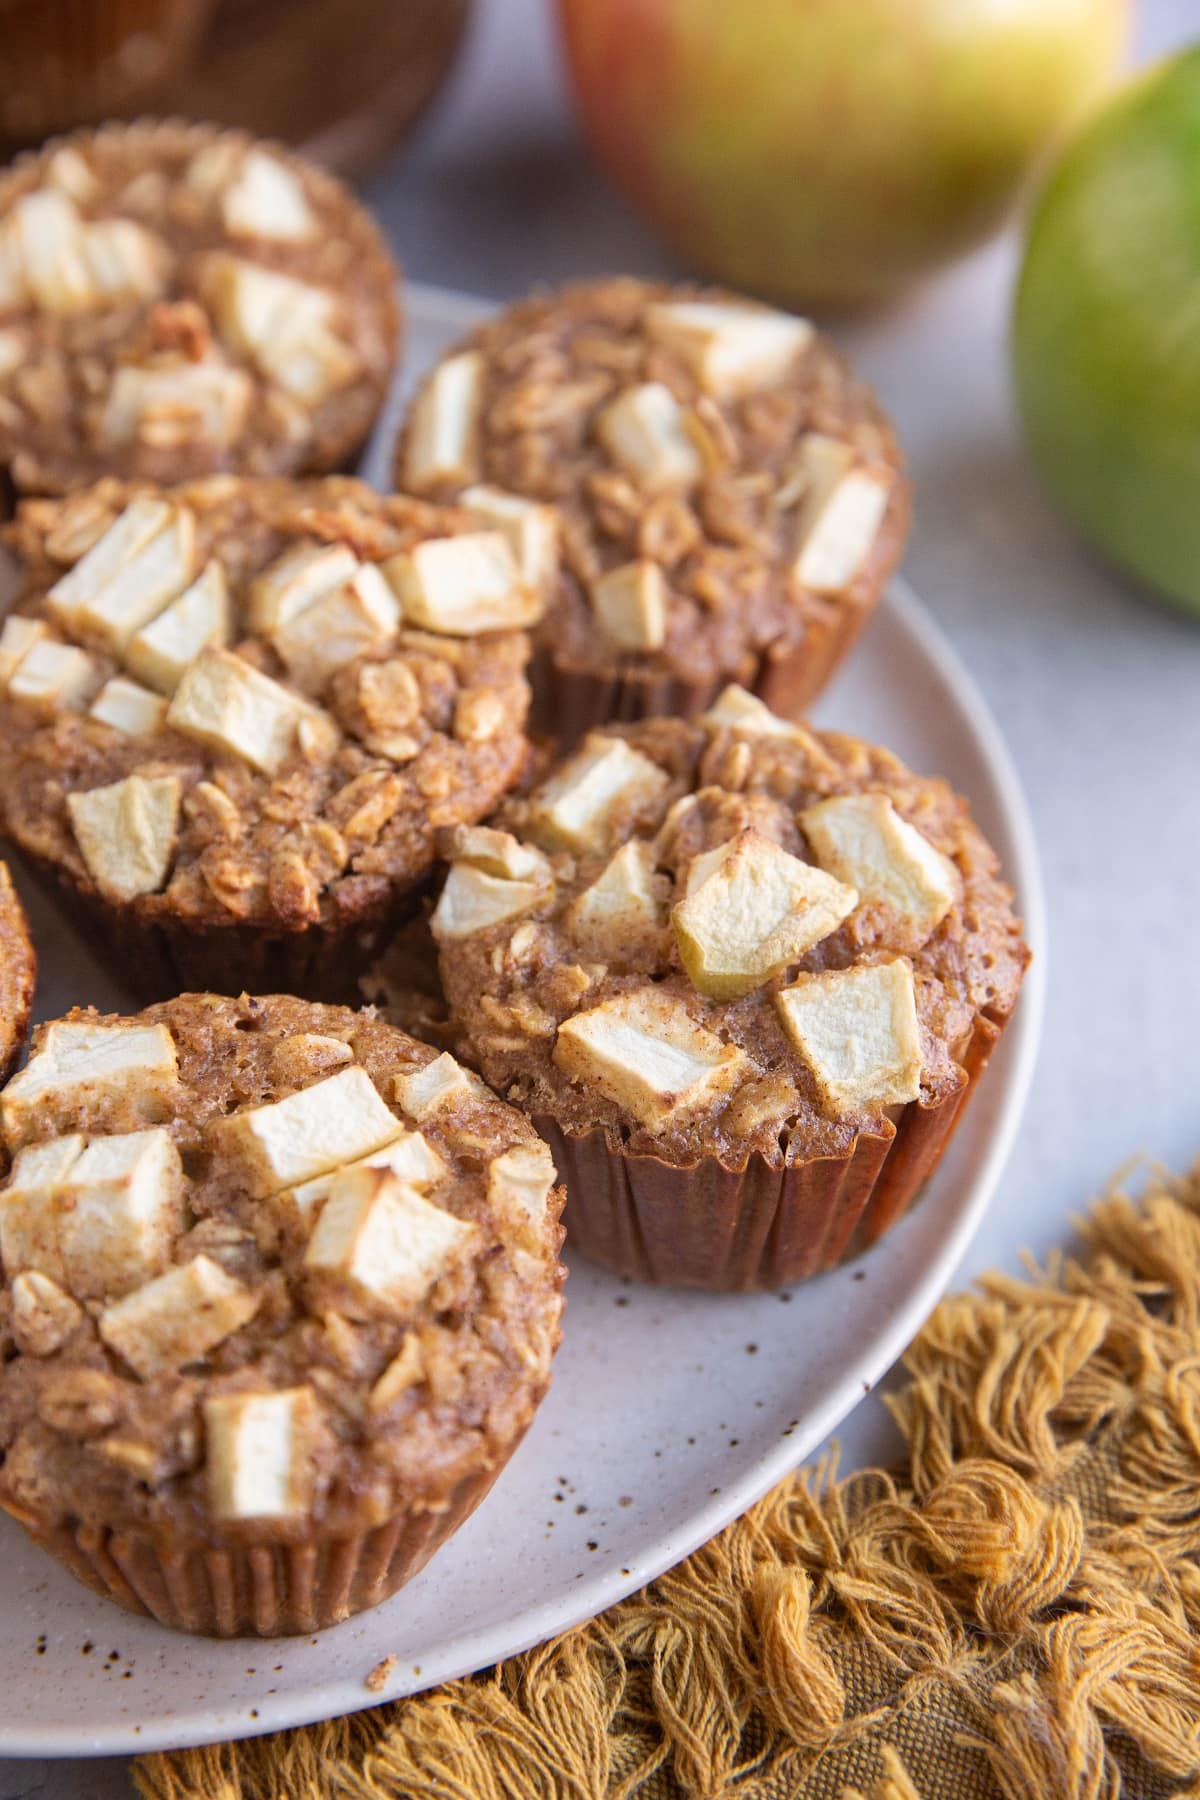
705	1225
568	703
264	1589
157	958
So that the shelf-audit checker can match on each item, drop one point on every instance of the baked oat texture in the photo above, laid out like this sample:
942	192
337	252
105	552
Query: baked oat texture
176	300
18	973
221	730
724	498
728	939
273	1273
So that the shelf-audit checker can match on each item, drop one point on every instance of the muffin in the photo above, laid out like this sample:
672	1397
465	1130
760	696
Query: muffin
18	971
723	500
66	64
234	716
177	301
742	976
281	1296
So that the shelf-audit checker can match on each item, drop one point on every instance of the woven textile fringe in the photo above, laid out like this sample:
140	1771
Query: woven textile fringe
1015	1613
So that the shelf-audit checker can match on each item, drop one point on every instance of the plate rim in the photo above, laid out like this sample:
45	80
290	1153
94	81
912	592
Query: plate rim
472	1651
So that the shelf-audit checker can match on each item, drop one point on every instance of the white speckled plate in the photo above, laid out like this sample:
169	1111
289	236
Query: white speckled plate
670	1412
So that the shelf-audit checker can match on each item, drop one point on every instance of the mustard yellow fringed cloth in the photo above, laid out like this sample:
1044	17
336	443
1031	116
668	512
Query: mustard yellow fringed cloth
1015	1612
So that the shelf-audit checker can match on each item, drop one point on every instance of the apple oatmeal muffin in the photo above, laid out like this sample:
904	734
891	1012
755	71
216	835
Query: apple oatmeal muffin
281	1294
177	300
742	976
235	714
18	972
722	499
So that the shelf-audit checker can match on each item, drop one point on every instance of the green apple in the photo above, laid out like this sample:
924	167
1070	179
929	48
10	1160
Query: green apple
1106	331
818	150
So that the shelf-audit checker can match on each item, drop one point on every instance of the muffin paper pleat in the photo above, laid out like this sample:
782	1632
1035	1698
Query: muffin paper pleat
709	1226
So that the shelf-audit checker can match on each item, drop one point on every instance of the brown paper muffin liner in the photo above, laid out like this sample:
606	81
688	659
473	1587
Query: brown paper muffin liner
157	959
568	703
266	1589
74	62
708	1226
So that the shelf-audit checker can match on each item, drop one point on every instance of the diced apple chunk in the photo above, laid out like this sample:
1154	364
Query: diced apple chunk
861	838
737	710
646	1054
260	1453
110	594
126	833
756	909
443	1082
857	1031
839	516
463	585
266	200
531	529
471	900
497	853
520	1181
17	639
53	677
120	1208
163	650
441	440
379	1244
352	620
43	1314
123	261
297	578
206	402
621	903
68	170
645	431
730	349
80	1063
287	326
225	703
142	520
307	1133
630	604
48	234
178	1317
604	784
129	707
29	1235
410	1156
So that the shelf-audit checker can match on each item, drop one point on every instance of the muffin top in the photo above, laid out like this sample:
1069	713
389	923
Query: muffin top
177	300
18	971
726	937
720	479
269	1267
250	701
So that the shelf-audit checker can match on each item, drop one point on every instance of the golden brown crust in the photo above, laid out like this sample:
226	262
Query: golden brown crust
551	365
87	1444
56	388
18	973
289	878
774	1177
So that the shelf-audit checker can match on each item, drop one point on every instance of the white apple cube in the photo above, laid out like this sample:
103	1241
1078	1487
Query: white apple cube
645	1053
178	1317
858	1032
307	1133
126	833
